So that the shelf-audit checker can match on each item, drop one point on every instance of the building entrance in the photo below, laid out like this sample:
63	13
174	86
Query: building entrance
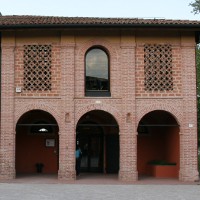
98	138
92	152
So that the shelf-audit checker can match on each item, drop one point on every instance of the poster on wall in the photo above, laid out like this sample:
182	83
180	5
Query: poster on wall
50	142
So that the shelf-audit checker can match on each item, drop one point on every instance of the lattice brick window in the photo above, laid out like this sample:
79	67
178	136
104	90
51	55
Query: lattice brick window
37	67
158	67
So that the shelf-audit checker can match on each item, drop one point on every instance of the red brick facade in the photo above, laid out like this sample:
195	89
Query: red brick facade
128	103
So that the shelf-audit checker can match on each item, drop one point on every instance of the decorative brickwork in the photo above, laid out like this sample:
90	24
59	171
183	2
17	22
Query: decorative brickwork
149	105
37	67
158	67
50	106
82	109
42	80
155	90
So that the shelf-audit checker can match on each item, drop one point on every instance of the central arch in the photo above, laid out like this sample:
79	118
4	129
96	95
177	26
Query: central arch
97	134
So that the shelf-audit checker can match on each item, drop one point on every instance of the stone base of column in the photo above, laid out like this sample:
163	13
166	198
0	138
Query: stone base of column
186	175
128	176
65	175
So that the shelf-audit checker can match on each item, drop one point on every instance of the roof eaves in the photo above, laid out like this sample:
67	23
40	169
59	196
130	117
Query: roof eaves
87	25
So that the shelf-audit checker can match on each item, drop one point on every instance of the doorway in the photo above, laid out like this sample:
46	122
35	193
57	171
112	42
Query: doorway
92	151
98	137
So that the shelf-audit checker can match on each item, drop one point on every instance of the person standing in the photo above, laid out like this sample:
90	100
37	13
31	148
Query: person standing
78	160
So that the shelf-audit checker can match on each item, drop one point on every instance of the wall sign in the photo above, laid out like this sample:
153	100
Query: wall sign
50	142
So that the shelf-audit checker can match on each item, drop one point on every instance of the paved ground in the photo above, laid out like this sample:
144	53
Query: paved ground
97	188
18	191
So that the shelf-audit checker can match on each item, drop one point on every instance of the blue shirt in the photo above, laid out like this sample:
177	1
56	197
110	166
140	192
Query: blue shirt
78	153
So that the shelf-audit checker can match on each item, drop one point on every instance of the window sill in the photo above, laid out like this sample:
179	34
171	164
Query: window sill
97	94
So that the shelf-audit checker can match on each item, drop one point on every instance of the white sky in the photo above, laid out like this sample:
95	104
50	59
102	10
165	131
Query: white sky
168	9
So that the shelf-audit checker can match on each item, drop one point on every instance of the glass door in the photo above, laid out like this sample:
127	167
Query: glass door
92	152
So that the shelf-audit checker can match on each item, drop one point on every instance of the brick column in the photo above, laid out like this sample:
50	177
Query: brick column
188	132
128	139
7	135
67	132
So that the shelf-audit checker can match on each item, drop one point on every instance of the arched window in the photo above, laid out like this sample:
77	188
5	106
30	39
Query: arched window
97	76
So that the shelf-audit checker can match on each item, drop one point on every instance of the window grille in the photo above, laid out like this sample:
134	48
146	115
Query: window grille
37	67
158	67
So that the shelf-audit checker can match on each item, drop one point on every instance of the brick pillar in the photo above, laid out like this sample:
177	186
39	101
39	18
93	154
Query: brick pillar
7	135
128	139
67	134
66	154
188	132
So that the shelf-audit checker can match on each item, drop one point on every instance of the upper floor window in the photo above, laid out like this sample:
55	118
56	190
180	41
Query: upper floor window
97	77
37	67
158	67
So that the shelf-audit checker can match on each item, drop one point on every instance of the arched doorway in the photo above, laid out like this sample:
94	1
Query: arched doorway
37	143
158	145
98	137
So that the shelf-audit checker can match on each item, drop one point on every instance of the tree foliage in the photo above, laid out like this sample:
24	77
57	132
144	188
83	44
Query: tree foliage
198	88
198	69
198	99
196	6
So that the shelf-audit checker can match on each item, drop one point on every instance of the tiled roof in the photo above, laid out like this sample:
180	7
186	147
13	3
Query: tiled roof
38	21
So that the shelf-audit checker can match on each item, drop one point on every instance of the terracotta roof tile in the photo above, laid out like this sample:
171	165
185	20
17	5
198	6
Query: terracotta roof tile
17	21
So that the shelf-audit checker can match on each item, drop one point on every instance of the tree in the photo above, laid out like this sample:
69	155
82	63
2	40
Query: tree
198	89
198	69
196	6
198	98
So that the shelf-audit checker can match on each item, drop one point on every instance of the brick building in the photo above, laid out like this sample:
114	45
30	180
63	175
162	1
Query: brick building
124	90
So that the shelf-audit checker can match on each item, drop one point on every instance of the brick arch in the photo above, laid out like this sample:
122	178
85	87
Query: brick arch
24	109
97	42
172	110
115	113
